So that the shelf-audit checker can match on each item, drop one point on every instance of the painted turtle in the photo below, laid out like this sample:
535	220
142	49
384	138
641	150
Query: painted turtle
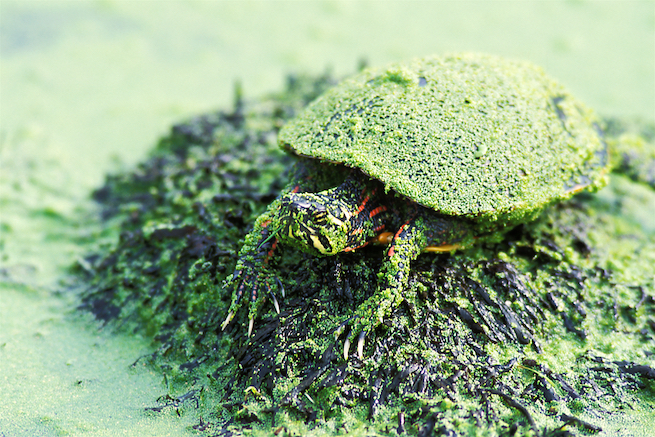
432	154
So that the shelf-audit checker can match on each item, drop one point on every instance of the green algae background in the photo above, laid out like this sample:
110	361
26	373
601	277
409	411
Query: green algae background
87	87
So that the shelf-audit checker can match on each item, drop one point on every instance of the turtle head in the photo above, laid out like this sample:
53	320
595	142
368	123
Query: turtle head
315	222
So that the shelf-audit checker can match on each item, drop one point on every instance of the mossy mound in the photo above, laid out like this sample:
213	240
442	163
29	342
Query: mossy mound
550	331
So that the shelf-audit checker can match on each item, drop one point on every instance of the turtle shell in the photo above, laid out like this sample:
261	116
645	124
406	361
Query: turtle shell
466	135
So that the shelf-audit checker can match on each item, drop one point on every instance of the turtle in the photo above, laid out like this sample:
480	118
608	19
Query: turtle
432	154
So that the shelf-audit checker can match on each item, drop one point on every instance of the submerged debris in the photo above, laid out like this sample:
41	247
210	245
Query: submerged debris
550	331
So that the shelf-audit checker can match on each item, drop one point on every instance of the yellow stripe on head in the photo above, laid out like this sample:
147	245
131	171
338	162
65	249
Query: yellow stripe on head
317	243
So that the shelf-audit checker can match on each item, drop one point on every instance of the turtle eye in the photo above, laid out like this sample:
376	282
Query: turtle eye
318	208
299	204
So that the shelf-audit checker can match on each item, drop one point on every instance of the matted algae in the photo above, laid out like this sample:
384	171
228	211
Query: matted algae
548	331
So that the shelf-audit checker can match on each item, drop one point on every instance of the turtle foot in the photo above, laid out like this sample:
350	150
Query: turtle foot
360	327
368	316
247	282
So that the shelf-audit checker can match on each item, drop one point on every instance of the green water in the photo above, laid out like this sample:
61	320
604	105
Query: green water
87	87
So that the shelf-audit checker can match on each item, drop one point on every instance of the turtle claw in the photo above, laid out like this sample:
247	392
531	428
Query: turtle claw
360	345
279	284
251	324
248	283
275	302
227	320
346	348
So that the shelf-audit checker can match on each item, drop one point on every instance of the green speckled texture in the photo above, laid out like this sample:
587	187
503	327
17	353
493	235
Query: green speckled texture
549	330
88	87
466	134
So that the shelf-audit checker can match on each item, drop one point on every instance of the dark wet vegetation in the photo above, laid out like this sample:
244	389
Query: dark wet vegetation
549	330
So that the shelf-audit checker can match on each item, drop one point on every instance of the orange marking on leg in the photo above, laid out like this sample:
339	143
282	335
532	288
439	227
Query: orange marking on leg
392	249
270	252
401	229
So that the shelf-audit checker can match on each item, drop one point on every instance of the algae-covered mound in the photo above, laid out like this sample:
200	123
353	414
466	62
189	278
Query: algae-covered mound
548	332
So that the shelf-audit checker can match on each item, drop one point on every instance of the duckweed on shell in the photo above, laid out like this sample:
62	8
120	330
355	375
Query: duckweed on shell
467	134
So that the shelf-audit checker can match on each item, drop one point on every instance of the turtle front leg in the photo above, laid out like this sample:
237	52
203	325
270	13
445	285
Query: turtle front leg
422	232
250	276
